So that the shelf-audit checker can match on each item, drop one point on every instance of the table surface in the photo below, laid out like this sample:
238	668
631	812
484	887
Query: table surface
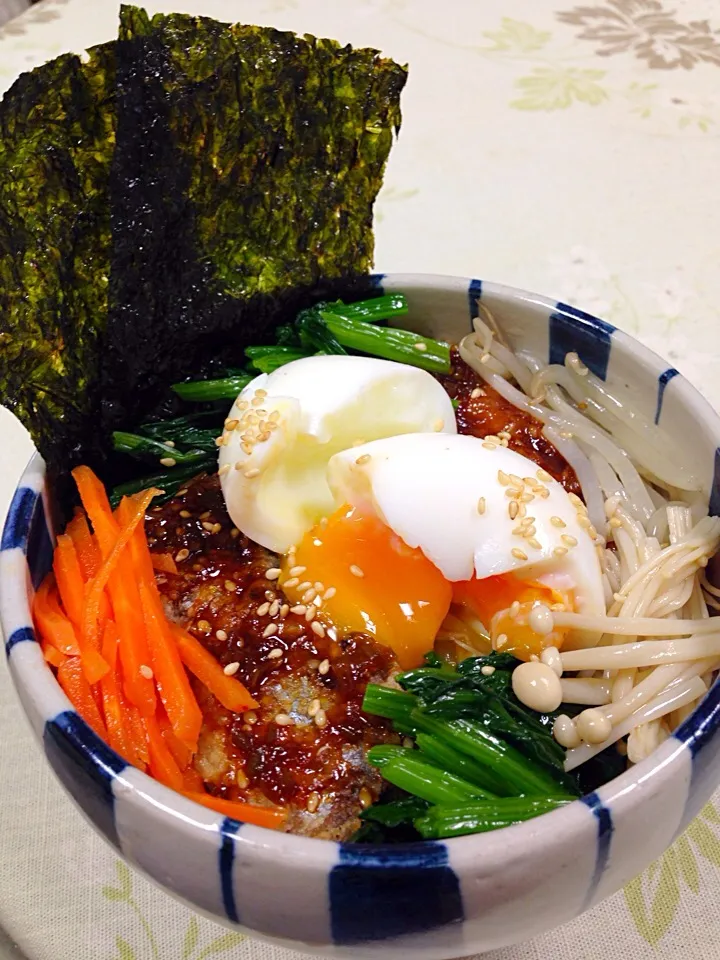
569	147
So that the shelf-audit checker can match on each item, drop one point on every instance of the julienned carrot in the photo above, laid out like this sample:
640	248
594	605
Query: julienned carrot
96	586
164	563
137	737
173	682
69	578
162	762
96	503
193	781
53	628
181	752
57	630
53	655
88	552
232	694
274	818
121	587
109	688
74	683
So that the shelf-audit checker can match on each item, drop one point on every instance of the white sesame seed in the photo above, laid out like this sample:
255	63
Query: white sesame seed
568	540
310	613
543	475
284	610
230	586
557	522
253	472
221	635
477	392
514	609
422	347
356	571
185	514
560	551
518	554
239	464
168	461
269	630
273	573
260	393
513	509
504	435
299	609
283	720
439	425
146	672
231	669
275	654
324	668
297	571
481	505
535	544
329	593
313	802
304	586
501	641
313	708
241	778
292	582
208	526
503	478
365	458
309	595
321	718
246	448
490	446
230	424
318	628
274	608
224	469
182	555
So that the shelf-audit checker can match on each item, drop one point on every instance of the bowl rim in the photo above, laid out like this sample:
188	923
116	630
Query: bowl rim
691	735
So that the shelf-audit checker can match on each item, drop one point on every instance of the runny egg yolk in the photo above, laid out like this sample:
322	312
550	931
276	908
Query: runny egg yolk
504	605
369	581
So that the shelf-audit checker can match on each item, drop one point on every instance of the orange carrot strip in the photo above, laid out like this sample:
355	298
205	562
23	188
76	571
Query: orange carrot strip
162	764
69	578
270	817
53	655
193	782
232	694
96	503
96	586
87	550
134	733
52	625
112	708
164	563
122	589
181	752
73	681
172	680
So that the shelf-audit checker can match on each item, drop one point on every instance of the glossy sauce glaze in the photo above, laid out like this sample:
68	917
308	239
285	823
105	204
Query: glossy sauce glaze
304	747
481	411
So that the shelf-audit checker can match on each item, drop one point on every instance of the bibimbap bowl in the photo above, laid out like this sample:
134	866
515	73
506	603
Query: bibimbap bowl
431	899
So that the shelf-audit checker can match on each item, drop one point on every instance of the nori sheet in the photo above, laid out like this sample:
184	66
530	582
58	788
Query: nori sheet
170	199
247	164
56	144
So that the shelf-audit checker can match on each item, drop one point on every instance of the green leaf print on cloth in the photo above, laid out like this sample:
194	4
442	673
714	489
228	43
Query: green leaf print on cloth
557	88
654	896
518	36
148	948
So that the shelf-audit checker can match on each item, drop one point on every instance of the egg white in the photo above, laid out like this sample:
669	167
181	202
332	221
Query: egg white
427	488
274	477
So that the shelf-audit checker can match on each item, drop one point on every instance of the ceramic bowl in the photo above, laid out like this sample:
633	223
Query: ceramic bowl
427	900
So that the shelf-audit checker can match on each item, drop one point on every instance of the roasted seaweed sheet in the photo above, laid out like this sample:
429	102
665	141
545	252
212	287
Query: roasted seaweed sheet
56	143
170	199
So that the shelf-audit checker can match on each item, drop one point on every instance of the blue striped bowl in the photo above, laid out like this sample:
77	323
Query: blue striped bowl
429	900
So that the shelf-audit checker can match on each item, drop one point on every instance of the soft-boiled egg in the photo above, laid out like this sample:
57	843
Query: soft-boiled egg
285	426
425	520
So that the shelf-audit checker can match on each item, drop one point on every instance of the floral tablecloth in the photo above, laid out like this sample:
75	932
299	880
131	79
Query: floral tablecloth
568	147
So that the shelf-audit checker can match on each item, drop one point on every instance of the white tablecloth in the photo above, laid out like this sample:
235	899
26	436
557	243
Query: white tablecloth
570	147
